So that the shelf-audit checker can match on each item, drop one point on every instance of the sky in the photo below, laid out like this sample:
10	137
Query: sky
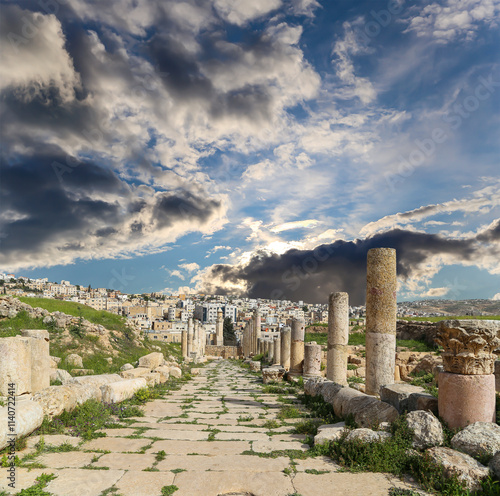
251	148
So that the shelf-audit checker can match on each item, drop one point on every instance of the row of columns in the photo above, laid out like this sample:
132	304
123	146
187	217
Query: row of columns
193	341
381	311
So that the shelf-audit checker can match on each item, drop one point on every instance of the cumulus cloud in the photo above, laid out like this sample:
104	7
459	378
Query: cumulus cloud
435	292
451	19
33	59
190	267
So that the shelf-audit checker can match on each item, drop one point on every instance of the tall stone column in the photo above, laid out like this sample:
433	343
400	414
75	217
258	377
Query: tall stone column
338	337
184	344
40	358
253	338
286	337
381	311
190	337
257	322
219	326
277	349
312	360
270	354
196	337
260	346
297	348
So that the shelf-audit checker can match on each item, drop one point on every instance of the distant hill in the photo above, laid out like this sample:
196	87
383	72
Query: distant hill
478	308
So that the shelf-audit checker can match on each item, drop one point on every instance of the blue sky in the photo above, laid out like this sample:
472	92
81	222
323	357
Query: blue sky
214	146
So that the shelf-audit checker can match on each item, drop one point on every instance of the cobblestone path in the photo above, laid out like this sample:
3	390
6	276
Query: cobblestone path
212	431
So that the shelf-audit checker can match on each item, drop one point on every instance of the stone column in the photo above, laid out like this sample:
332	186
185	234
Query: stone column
297	348
184	344
196	337
270	354
219	326
260	346
381	310
467	385
338	337
258	333
277	349
286	334
40	358
312	360
190	336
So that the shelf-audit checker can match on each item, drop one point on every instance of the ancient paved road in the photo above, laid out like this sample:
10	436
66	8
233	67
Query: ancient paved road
203	444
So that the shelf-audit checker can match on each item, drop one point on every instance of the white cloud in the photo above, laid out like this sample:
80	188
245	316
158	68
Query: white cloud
190	267
177	273
496	297
433	292
299	224
33	58
454	18
241	11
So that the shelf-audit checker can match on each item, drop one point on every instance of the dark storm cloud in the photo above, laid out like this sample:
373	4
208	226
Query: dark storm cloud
41	208
311	275
169	208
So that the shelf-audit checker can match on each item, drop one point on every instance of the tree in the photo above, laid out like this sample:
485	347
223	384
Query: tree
305	309
228	330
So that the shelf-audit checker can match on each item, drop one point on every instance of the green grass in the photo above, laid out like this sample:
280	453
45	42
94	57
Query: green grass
453	317
320	337
107	319
414	345
12	327
168	490
357	338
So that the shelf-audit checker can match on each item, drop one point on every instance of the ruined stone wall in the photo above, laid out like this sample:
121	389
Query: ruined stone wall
223	351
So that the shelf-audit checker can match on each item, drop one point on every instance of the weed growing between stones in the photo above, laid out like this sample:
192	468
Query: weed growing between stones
178	470
38	488
425	380
289	412
168	490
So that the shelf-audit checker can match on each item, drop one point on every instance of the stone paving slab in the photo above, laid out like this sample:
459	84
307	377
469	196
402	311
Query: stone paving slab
72	459
126	431
125	461
223	463
318	463
220	483
24	478
135	483
268	446
346	484
200	447
173	434
245	436
79	482
53	440
116	444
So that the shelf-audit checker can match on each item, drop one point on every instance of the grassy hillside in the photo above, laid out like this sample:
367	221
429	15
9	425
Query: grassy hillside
450	317
127	347
107	319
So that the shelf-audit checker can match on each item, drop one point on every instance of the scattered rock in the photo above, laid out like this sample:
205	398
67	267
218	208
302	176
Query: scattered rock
423	401
175	372
60	375
82	371
126	366
329	432
367	435
468	470
75	360
254	366
495	465
427	429
480	438
151	361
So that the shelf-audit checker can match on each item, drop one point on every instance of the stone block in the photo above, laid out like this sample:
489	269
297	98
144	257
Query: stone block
126	366
164	372
152	379
313	385
96	380
478	439
254	366
398	395
273	374
175	372
15	365
29	416
329	390
454	463
152	360
134	373
497	376
123	390
40	358
369	411
342	399
423	401
56	399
